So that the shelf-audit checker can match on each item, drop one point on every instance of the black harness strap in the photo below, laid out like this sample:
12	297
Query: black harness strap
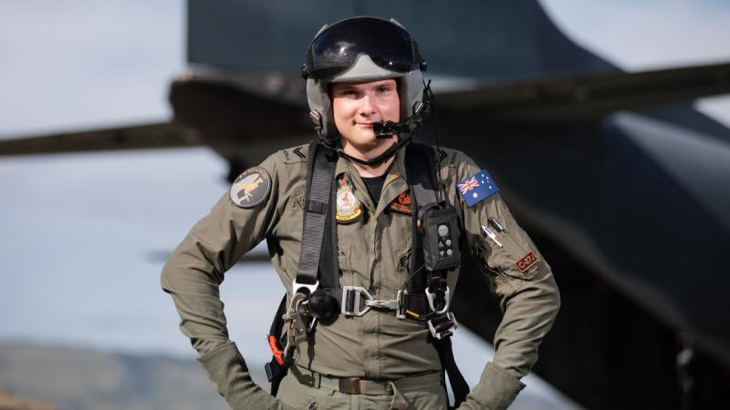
420	160
421	171
458	384
318	258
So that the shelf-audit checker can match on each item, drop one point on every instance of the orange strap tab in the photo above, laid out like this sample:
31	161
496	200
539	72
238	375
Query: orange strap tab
274	346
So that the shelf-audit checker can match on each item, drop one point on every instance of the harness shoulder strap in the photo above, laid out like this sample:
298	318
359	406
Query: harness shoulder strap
318	257
421	172
422	178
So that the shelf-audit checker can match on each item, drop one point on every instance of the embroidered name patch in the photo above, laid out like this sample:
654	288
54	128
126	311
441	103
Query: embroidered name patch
526	262
402	204
251	187
477	188
349	208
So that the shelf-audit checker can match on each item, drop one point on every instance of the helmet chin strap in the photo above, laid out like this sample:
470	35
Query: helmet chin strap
380	158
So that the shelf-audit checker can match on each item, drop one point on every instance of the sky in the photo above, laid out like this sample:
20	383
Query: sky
651	34
80	232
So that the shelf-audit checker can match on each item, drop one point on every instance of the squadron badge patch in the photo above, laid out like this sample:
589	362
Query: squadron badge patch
251	187
477	188
349	209
402	204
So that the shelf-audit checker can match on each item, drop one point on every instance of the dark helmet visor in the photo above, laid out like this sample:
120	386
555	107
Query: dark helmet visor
337	47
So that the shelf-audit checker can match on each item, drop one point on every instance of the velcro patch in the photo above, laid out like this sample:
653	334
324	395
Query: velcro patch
296	154
442	155
526	262
402	204
477	188
251	187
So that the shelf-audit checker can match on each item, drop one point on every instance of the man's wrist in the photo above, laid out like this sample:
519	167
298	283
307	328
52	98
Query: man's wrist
226	368
497	389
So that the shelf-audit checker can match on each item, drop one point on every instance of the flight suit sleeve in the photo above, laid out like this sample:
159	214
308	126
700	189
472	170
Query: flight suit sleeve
197	266
523	284
192	276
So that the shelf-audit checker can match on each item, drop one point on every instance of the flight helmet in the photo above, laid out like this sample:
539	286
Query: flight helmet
361	49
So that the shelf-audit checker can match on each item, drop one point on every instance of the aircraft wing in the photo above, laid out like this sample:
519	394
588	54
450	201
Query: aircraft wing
581	97
241	115
159	135
233	112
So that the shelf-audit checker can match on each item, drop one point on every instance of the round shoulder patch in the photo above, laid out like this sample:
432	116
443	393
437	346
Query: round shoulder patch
251	187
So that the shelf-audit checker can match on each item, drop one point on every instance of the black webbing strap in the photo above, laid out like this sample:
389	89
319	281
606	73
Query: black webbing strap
458	384
318	257
421	172
420	169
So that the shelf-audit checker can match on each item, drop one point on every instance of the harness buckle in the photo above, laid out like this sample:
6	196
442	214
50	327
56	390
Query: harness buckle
400	312
297	329
304	288
352	301
356	301
442	326
432	299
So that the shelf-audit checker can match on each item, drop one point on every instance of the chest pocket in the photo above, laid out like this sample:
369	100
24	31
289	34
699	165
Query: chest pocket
297	197
343	257
403	257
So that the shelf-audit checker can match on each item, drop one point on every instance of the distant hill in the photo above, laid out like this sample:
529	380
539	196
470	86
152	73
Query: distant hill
76	379
9	402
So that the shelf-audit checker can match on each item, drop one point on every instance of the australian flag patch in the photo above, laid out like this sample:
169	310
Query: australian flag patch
477	188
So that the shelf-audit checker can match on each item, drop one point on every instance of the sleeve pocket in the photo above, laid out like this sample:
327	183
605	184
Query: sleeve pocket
518	256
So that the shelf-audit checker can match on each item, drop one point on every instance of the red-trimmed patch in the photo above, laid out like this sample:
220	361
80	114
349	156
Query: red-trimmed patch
526	262
402	204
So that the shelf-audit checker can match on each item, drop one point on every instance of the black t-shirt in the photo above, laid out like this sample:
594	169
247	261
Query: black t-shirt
374	186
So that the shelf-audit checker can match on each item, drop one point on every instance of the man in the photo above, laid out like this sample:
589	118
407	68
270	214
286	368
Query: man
370	337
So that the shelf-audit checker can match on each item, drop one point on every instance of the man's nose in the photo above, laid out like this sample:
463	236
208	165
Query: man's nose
368	106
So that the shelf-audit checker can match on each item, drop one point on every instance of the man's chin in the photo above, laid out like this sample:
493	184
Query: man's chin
370	145
365	140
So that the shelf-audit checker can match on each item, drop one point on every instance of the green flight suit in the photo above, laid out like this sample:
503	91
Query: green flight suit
373	253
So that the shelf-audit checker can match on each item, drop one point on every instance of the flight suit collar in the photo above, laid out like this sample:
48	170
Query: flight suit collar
395	183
